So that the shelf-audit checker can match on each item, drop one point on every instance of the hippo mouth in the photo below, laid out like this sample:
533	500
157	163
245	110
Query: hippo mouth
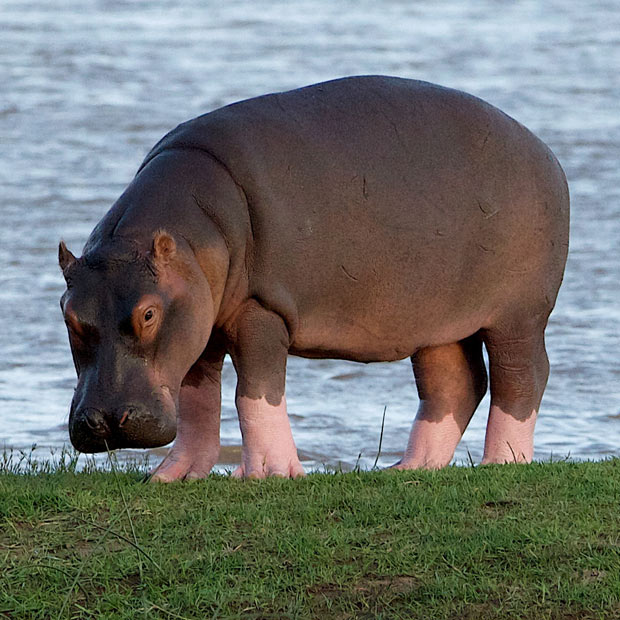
94	430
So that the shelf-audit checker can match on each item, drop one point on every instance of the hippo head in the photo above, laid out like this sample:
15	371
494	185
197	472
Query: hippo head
138	318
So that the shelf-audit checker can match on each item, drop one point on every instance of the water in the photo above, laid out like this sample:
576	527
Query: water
88	87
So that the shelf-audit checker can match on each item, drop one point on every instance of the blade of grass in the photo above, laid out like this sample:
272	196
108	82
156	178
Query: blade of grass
380	438
357	469
471	460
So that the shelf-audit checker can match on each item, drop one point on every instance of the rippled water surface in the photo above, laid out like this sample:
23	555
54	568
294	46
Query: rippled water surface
88	87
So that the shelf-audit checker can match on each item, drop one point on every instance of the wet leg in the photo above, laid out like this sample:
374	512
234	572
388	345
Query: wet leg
259	352
197	444
451	381
518	368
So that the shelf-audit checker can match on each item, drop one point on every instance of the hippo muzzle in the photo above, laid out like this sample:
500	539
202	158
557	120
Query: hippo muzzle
120	401
93	429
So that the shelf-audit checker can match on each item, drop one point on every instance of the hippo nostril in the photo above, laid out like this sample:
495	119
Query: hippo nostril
126	414
95	420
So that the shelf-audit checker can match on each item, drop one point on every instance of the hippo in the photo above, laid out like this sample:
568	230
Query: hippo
366	218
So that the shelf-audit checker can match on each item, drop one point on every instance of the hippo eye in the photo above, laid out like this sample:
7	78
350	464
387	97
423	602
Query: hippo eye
145	318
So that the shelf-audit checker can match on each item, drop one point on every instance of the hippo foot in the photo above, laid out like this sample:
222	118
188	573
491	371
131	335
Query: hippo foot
183	464
268	446
403	464
263	465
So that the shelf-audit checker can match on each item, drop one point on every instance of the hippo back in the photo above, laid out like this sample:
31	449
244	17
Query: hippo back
388	206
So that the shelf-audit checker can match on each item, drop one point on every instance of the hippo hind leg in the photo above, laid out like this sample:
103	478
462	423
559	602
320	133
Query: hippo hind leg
518	369
451	381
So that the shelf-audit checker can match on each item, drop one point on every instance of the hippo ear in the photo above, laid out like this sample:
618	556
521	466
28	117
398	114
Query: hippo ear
65	257
164	247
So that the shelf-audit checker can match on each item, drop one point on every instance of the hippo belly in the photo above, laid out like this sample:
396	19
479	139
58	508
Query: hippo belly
368	219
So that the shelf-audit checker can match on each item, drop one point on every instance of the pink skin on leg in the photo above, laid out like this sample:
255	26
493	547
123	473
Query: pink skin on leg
519	369
451	380
508	440
268	446
197	445
431	443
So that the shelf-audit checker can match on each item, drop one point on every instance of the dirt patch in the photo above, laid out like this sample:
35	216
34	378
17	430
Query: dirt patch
498	507
369	588
592	575
329	591
401	584
478	611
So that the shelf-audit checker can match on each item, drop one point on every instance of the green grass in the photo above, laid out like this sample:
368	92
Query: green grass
538	541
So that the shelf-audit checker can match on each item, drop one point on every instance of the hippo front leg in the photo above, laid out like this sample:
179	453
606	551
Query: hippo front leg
197	445
259	352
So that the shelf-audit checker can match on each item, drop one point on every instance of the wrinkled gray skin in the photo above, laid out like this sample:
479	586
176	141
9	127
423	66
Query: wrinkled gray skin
367	219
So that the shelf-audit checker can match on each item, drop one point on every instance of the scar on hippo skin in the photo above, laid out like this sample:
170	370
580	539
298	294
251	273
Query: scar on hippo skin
377	219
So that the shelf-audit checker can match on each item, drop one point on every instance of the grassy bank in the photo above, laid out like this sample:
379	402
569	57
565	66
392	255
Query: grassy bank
539	541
